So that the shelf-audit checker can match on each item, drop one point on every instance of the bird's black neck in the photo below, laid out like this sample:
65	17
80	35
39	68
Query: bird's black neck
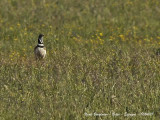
40	40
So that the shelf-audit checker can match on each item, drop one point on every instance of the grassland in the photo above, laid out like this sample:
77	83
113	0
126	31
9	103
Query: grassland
100	59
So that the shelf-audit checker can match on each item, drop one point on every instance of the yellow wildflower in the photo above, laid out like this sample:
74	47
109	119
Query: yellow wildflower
158	37
11	28
15	39
18	24
101	34
122	37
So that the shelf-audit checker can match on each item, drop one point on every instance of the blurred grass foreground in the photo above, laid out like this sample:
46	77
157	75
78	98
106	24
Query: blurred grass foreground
100	59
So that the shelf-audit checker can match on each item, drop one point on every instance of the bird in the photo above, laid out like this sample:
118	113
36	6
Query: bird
40	50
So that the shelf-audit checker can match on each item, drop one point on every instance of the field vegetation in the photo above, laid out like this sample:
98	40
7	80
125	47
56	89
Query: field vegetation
100	59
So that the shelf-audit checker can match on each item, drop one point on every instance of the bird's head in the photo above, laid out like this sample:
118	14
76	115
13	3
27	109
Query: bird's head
40	39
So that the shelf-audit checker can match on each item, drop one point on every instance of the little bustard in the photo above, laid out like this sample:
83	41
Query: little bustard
40	50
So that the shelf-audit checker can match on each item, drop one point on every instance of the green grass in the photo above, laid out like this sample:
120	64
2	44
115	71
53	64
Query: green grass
100	59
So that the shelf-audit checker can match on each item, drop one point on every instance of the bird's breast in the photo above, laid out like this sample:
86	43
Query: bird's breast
40	52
